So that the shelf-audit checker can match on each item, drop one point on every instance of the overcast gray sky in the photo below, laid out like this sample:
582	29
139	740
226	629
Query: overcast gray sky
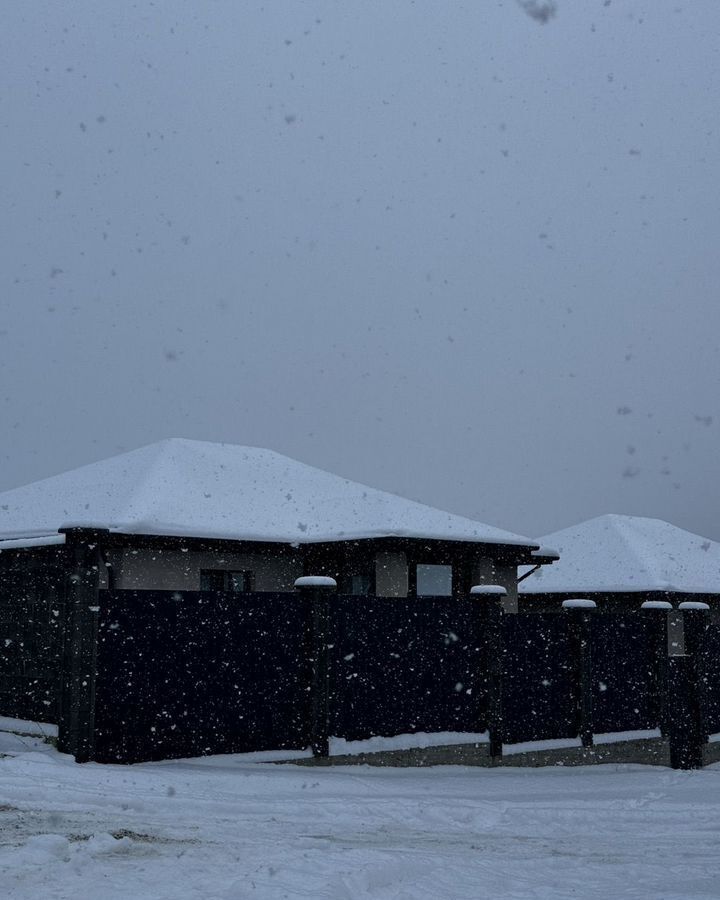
438	247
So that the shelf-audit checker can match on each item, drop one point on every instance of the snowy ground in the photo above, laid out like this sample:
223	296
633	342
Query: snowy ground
223	827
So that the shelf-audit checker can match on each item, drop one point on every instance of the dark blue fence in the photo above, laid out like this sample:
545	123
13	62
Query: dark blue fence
401	665
31	640
188	673
540	685
625	678
702	636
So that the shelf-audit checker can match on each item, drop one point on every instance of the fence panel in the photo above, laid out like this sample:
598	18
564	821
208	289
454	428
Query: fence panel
189	673
540	684
624	672
405	665
31	622
709	672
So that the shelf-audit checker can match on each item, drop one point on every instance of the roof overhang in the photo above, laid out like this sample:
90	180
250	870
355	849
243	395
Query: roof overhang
36	540
512	553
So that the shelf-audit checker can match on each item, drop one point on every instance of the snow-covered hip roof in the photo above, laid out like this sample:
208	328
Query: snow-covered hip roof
198	489
628	553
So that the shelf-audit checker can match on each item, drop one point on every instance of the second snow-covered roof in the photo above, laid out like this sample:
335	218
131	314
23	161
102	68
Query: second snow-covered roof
198	489
628	553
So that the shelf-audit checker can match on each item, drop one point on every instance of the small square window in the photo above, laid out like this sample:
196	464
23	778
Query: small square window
434	581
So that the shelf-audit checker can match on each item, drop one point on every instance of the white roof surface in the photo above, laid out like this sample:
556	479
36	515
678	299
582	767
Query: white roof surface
199	489
628	553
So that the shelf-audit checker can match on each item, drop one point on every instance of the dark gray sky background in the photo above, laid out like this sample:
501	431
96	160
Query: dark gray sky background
437	247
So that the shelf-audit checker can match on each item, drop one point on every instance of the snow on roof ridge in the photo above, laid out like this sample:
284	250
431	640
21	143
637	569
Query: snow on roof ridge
267	452
134	501
254	493
630	530
645	551
614	552
636	543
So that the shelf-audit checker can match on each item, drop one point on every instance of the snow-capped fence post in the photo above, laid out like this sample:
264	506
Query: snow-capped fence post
318	589
657	613
491	610
78	664
687	730
579	610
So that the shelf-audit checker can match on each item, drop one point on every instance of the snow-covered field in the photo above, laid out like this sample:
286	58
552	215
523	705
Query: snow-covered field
224	827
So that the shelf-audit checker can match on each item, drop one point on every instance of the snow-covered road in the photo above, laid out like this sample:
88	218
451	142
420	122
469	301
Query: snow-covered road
226	828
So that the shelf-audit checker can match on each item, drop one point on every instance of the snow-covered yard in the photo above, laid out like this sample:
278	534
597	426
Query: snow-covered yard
224	827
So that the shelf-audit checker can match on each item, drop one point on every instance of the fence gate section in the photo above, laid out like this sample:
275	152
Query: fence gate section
188	673
405	665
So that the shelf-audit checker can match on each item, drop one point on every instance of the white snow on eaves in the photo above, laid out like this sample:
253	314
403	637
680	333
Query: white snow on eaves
41	540
200	489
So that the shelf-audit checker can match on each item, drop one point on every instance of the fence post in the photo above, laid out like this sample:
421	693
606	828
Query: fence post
695	614
318	589
78	670
491	613
657	613
696	619
579	609
684	697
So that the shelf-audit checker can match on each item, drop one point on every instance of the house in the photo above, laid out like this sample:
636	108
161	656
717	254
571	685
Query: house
622	561
181	557
191	515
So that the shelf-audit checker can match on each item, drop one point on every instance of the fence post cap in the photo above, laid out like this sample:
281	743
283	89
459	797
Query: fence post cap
656	604
693	604
579	603
316	581
492	590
